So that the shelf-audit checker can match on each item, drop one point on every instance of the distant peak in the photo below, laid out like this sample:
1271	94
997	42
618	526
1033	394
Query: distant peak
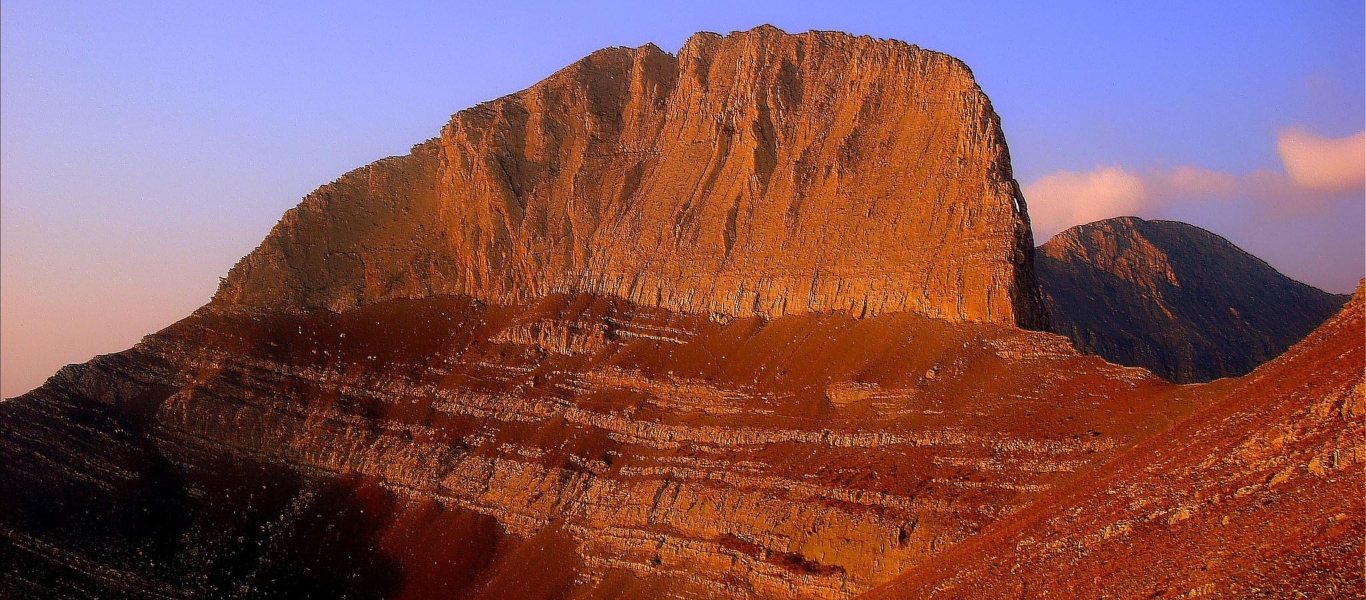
1173	297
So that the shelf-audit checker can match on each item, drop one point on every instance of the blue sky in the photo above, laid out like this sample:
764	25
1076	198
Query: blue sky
145	147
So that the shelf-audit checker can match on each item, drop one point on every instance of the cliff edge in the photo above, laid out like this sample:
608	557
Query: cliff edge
758	173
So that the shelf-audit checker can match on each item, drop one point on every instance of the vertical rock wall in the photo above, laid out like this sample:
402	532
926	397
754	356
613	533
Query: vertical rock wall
759	173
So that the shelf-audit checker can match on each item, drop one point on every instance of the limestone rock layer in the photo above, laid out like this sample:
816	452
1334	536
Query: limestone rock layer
740	323
580	447
758	173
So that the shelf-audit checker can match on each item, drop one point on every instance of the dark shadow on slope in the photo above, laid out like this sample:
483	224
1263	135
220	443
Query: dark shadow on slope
92	506
1173	298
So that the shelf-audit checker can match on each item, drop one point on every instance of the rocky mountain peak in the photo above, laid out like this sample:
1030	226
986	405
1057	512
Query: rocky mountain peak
1173	298
757	173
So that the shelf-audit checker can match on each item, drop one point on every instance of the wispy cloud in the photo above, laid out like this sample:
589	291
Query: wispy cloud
1317	170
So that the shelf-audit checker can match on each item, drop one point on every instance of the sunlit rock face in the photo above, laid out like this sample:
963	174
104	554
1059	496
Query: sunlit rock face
758	173
1173	298
740	323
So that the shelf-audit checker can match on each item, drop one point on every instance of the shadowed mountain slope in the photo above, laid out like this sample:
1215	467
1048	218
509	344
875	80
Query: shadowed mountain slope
1173	298
758	173
1257	495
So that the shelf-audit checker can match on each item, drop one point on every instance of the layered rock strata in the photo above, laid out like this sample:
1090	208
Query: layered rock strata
1173	298
588	444
1257	495
758	173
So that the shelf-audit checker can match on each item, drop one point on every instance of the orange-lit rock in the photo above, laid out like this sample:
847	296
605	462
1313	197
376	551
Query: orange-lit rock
807	456
758	173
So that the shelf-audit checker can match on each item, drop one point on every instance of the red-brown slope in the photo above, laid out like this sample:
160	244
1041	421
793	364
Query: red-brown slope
1257	495
1173	298
759	173
594	445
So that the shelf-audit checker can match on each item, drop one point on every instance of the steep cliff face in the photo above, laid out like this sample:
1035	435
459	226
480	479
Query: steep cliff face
1256	495
1173	298
758	173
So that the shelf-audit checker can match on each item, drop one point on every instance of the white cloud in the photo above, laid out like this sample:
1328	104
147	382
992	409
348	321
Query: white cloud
1322	163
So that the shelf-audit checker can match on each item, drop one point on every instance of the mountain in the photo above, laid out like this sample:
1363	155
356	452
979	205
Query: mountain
586	444
1173	298
758	320
1257	494
758	173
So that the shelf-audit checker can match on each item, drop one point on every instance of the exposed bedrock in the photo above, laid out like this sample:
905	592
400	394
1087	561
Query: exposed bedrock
758	173
752	321
1255	495
809	456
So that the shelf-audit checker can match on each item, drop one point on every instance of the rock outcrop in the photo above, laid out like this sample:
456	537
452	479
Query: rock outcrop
1257	495
1173	298
758	173
588	444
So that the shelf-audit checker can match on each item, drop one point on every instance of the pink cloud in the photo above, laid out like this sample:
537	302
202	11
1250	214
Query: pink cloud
1322	163
1066	198
1318	172
1192	183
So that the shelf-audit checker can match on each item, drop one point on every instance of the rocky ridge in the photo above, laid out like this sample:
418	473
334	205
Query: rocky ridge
1173	298
585	442
1256	495
758	173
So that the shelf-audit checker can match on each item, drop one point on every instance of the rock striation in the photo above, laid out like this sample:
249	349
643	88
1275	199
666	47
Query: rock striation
1257	494
1173	298
584	444
758	173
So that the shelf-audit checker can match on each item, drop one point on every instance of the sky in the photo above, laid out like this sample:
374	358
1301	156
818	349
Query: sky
146	146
